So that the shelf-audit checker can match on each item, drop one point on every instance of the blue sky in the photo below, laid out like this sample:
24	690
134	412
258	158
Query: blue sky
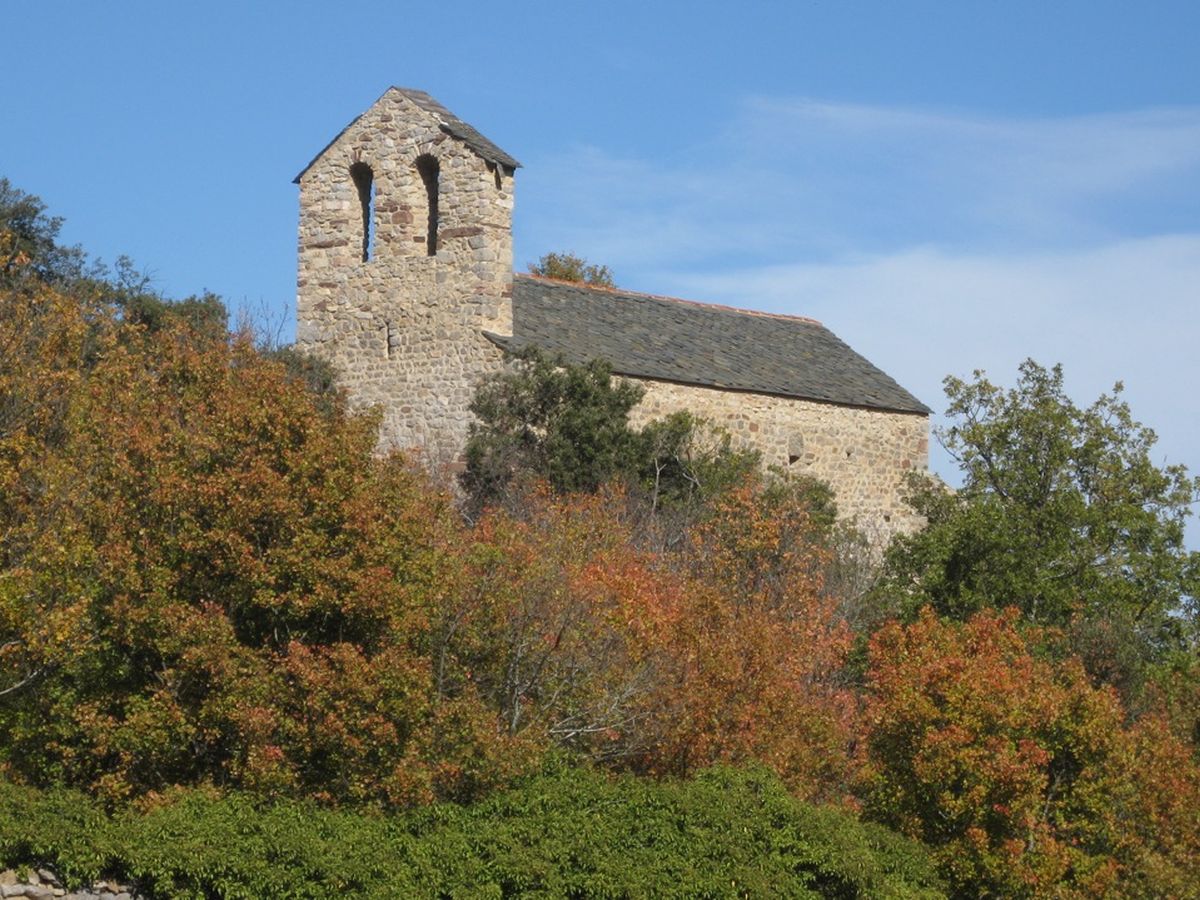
948	185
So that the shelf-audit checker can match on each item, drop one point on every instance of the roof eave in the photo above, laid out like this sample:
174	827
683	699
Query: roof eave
511	344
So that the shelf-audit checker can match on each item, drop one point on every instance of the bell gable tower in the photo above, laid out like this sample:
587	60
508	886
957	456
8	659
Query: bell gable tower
405	260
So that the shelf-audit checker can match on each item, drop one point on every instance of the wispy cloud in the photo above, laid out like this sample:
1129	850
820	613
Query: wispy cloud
1104	152
806	180
933	242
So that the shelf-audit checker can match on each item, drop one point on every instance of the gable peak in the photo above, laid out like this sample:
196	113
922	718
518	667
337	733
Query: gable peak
446	120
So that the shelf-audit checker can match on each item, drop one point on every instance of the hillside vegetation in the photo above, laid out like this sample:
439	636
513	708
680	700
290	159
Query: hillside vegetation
242	654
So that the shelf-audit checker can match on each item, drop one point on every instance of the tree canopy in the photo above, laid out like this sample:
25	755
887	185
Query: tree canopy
1062	513
569	267
29	244
1022	777
545	418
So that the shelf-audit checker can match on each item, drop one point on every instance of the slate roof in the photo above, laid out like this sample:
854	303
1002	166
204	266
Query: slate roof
450	123
696	343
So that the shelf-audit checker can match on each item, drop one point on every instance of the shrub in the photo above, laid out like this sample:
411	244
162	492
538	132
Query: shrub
569	832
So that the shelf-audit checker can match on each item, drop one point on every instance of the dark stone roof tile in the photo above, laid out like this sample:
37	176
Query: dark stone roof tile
695	343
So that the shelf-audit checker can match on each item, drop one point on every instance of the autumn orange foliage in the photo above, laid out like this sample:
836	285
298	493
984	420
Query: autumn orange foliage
1019	774
759	650
724	651
209	577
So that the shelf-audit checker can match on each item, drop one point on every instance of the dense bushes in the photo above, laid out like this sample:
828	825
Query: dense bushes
570	832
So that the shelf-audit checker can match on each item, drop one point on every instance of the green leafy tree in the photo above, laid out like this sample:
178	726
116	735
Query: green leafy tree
204	315
547	419
29	240
1062	513
686	461
569	267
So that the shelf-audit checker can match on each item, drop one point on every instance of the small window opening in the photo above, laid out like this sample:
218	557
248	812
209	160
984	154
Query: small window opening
390	339
364	179
427	167
795	448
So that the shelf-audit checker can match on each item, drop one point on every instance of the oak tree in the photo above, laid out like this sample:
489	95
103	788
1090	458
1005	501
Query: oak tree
1064	514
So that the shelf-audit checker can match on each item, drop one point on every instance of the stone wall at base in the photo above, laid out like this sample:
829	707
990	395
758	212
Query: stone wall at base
42	884
863	454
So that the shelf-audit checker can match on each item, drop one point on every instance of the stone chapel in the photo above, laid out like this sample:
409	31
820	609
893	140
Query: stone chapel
406	285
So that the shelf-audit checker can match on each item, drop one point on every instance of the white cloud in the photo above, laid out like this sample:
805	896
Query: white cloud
1104	152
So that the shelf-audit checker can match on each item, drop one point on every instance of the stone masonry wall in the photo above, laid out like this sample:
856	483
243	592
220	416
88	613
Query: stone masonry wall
863	454
404	329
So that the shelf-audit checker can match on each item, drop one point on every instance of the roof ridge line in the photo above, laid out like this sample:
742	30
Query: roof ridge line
668	299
